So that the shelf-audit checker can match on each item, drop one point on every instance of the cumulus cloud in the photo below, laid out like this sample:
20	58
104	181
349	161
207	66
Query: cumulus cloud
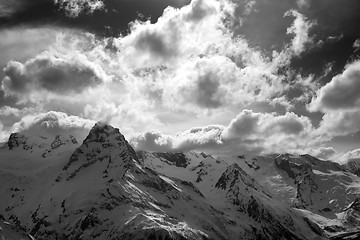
53	123
153	141
354	154
341	93
323	152
300	29
187	62
177	34
51	72
243	125
249	132
9	115
190	60
199	138
73	8
339	123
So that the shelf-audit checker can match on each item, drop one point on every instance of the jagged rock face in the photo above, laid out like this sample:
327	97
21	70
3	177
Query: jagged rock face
303	177
316	163
239	186
104	192
104	143
320	185
292	169
38	145
250	198
60	140
178	159
306	187
12	232
17	139
352	214
235	175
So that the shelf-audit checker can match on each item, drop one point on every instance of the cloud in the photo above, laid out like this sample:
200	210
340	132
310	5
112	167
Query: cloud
153	141
248	123
15	42
200	138
189	63
9	115
341	93
177	35
356	45
73	8
196	64
199	9
201	84
243	125
339	123
53	123
53	73
323	152
7	8
249	132
303	3
300	29
354	154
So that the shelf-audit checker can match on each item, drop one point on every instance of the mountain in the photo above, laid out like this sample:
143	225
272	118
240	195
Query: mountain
9	231
57	188
353	166
317	190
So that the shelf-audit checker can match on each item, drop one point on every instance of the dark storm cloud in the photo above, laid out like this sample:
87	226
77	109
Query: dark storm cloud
49	73
111	21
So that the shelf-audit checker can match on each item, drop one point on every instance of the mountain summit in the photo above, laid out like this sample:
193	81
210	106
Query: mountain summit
103	189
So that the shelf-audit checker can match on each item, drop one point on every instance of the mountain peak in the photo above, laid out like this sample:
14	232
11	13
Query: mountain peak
102	131
103	143
233	174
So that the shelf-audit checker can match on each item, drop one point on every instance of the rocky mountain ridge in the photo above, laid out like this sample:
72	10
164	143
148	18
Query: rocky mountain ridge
103	189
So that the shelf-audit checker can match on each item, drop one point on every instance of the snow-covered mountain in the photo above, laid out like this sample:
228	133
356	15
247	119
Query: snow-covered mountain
353	166
56	188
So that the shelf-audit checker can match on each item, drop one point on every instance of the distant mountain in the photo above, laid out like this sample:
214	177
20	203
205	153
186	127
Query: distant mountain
353	166
56	188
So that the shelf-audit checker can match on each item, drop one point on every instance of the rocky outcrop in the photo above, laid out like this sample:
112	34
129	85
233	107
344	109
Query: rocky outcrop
351	217
177	159
16	140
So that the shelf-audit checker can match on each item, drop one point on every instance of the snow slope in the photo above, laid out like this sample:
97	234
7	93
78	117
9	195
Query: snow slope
56	188
323	189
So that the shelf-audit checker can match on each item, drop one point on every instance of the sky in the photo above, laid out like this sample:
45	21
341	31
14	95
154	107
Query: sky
220	76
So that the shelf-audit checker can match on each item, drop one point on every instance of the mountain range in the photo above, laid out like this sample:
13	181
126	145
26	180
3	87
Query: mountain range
59	188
